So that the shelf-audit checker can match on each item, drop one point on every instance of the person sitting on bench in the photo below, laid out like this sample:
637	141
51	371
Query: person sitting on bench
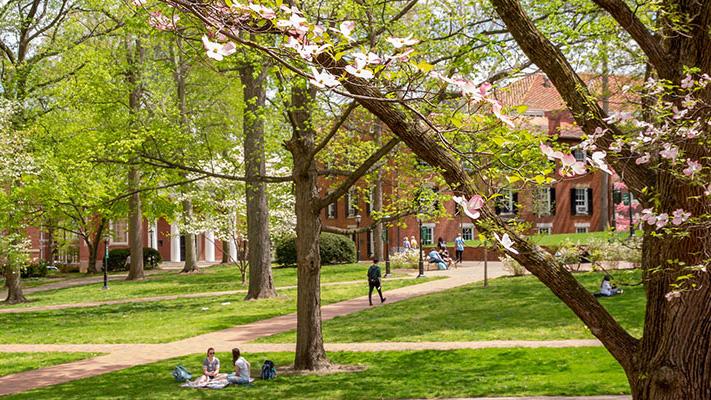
435	258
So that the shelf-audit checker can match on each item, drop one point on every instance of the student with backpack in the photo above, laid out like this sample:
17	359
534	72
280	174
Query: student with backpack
374	282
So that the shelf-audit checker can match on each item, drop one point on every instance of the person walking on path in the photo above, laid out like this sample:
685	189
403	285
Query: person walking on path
413	242
459	248
374	282
406	244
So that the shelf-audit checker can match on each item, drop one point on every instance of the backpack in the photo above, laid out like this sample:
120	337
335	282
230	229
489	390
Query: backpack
181	374
373	273
268	371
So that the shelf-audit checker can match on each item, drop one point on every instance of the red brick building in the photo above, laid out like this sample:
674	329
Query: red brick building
579	204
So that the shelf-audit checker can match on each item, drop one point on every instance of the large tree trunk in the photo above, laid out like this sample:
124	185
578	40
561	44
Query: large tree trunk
225	252
310	352
93	245
190	242
261	283
135	226
14	287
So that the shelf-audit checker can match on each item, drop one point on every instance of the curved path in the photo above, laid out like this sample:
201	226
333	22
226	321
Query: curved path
125	356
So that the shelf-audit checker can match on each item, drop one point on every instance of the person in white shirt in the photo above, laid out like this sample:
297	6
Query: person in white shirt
606	288
242	367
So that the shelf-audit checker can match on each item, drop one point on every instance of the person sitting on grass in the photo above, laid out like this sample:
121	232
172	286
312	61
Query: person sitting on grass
374	282
435	258
607	289
210	367
242	366
444	254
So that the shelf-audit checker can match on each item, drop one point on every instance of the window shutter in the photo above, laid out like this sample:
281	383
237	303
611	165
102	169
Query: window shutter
572	202
348	204
514	197
551	193
335	209
590	201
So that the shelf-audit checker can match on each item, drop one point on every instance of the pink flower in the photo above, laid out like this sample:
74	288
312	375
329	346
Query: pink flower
471	207
648	216
571	166
687	82
662	219
643	159
139	3
484	89
496	108
680	216
359	70
162	23
295	23
694	167
402	56
670	152
402	42
550	153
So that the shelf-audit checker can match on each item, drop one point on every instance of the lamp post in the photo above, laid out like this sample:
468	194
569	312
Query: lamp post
387	251
357	237
106	262
420	264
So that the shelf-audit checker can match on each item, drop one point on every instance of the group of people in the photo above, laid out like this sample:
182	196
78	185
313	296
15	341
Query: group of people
409	243
440	254
211	369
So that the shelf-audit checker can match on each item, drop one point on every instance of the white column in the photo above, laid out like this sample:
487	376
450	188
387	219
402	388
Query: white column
154	234
209	246
233	251
174	242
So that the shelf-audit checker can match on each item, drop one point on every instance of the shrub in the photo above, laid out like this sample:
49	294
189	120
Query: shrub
512	266
406	259
67	268
335	249
35	269
117	259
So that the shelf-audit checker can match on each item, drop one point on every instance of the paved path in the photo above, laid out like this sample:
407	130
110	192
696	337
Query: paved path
621	397
224	340
52	307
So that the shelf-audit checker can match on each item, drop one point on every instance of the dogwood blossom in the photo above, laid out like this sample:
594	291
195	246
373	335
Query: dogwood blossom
471	207
403	56
162	23
359	70
402	42
571	166
139	3
323	79
218	51
346	29
295	23
370	58
693	167
598	159
643	159
680	216
506	242
262	11
550	153
670	152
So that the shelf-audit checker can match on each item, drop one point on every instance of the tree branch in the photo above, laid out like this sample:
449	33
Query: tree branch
334	129
350	231
357	174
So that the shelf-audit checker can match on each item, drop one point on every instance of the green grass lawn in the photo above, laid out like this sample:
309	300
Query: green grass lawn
11	363
219	278
509	309
392	375
158	322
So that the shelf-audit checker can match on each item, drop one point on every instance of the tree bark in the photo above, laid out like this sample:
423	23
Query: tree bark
310	352
225	252
14	287
93	245
135	226
190	244
261	283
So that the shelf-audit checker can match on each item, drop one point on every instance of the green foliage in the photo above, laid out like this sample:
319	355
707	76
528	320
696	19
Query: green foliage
405	259
117	259
35	269
334	249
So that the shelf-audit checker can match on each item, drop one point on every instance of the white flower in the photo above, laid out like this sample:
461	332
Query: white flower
662	220
643	159
402	42
262	11
571	166
359	69
693	167
139	3
598	160
295	23
370	58
680	216
672	295
670	152
550	153
403	56
218	51
506	241
345	29
323	79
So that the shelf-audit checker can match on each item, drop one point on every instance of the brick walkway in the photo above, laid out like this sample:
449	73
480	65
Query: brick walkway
126	356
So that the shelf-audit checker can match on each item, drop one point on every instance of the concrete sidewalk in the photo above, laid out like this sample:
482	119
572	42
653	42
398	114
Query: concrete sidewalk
126	356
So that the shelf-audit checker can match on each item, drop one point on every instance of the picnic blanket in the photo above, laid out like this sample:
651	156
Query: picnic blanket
218	382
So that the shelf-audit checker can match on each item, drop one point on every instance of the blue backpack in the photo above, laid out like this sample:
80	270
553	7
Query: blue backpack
181	374
268	371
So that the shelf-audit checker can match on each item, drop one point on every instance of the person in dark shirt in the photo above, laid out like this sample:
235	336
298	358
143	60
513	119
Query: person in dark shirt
374	282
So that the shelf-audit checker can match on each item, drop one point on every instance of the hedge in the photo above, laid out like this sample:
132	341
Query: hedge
117	259
335	249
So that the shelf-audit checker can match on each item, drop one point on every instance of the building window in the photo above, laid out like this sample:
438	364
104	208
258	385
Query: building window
427	234
581	202
119	231
506	204
544	229
468	232
583	227
544	201
332	210
579	155
352	203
